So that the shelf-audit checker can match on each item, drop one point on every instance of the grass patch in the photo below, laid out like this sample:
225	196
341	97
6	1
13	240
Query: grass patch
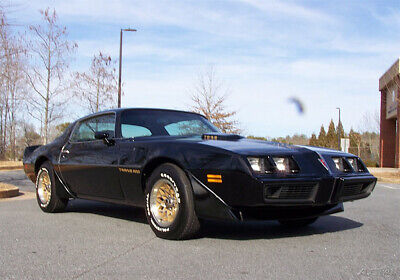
10	163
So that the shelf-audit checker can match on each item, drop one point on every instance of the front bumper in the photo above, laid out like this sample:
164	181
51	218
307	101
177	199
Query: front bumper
317	191
279	198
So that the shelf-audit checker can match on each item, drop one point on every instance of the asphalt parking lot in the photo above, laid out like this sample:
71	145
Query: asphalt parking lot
103	241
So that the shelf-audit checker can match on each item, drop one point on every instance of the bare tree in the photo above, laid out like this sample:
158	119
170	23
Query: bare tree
356	142
98	87
12	87
370	122
50	50
370	126
208	97
29	135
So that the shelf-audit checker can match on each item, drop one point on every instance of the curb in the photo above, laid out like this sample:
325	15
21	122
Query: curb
11	167
7	190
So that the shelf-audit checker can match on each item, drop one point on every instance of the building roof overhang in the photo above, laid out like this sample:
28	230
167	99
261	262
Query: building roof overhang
389	75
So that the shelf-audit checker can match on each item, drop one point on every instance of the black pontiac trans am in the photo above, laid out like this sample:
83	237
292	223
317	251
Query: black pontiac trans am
181	168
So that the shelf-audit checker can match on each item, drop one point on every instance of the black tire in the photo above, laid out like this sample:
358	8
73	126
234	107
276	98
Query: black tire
298	222
55	203
185	224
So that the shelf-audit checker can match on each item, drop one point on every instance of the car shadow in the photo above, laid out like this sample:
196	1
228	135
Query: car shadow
272	229
124	212
221	229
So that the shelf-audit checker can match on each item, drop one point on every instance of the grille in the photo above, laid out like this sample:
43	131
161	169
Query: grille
350	190
289	192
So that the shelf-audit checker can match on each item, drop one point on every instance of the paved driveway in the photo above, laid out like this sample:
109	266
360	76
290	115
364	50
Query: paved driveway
94	240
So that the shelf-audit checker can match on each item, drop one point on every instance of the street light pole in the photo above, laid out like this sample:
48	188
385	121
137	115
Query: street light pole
338	132
120	64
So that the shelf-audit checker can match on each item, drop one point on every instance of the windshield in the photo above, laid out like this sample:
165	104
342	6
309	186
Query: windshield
137	123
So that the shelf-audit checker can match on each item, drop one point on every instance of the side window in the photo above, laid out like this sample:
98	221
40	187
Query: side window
87	128
130	131
189	127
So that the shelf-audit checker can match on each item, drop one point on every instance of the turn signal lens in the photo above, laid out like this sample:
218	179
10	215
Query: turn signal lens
214	178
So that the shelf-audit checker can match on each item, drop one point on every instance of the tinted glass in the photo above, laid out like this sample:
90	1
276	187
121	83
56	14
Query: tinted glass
189	127
130	131
87	128
163	123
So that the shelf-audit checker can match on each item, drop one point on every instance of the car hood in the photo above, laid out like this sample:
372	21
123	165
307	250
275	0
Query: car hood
246	146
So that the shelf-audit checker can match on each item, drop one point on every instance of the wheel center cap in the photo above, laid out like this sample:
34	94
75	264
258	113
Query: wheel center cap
169	203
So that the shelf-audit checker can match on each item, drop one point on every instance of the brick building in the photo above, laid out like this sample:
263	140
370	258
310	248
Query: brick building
389	86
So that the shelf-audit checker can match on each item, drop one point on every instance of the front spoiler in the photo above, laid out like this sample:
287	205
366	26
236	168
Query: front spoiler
286	213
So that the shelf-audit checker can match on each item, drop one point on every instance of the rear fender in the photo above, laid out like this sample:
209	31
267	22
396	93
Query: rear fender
29	150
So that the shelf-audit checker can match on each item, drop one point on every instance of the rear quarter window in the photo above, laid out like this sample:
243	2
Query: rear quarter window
131	131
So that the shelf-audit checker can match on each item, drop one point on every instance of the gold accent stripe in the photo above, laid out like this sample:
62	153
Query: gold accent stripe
214	176
129	170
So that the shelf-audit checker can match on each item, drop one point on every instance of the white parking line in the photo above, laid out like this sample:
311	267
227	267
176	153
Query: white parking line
388	187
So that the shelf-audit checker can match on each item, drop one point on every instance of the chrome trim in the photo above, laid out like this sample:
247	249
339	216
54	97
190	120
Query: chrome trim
65	187
61	152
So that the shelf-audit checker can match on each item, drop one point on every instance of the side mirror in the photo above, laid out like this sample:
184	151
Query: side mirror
101	135
105	136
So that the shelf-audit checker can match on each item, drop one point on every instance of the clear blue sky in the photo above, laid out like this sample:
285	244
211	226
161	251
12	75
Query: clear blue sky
327	53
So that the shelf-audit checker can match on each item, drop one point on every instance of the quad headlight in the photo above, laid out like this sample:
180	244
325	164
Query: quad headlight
356	164
281	163
257	164
343	165
338	163
273	164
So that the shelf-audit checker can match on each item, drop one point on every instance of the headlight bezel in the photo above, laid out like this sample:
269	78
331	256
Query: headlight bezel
273	165
348	164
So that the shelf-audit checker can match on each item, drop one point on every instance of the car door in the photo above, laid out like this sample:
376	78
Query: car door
89	165
132	158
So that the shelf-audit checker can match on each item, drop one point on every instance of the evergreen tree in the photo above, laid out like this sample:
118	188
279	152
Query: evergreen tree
313	140
331	136
322	137
341	130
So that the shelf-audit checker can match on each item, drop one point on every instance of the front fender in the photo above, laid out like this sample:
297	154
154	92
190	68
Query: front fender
208	205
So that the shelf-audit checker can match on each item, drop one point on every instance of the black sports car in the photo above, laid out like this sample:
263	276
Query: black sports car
180	168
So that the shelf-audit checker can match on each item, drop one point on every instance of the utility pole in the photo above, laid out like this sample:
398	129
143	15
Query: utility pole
120	64
338	132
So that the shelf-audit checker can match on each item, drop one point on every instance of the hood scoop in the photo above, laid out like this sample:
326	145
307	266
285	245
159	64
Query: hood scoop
221	136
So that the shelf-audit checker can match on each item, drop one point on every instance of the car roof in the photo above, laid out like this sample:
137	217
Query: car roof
116	110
